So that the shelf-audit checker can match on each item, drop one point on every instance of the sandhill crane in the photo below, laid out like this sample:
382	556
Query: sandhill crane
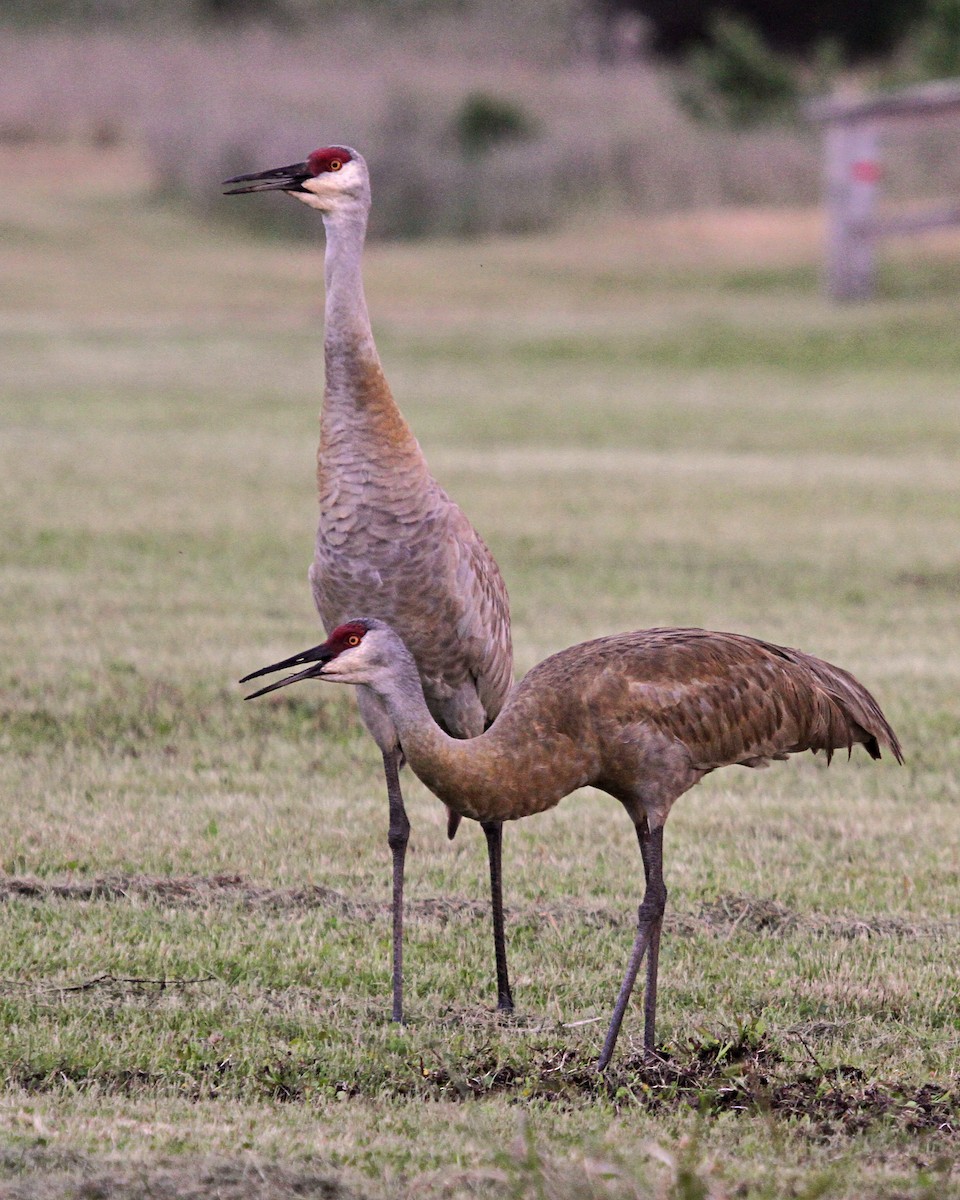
389	540
642	716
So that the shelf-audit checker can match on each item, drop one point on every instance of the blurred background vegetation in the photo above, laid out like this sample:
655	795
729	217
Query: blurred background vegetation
475	115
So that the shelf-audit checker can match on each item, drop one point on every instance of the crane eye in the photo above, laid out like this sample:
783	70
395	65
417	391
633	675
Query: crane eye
335	164
353	640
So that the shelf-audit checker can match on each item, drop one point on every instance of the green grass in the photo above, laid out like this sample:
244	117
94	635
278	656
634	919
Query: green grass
194	979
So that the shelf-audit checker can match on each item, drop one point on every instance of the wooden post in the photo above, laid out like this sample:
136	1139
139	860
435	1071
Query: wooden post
852	129
853	175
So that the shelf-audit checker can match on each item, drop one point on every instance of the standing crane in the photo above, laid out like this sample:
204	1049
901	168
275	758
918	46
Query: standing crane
642	716
389	540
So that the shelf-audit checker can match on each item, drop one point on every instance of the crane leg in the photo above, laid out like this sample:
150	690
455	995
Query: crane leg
647	941
650	992
397	837
494	834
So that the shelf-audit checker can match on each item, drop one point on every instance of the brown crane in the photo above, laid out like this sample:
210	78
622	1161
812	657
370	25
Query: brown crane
643	716
389	540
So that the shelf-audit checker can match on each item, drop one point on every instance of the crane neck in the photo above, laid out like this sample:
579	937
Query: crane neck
347	332
427	747
359	415
500	775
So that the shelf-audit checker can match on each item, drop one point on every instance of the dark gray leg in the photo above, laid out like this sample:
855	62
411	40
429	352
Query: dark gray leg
397	837
649	922
650	992
494	834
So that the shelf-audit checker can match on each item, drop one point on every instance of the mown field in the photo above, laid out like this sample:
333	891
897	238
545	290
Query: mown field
651	423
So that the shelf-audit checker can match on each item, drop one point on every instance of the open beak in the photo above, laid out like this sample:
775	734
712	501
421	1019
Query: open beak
280	179
318	655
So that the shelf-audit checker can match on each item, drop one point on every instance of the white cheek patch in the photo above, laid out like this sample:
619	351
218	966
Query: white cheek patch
323	191
349	173
332	182
311	198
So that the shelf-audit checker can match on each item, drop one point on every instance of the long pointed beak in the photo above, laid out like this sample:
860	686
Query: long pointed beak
318	655
279	179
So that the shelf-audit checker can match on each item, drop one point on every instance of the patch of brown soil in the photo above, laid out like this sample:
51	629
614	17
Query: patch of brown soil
722	916
43	1175
747	1076
189	891
947	582
763	915
195	891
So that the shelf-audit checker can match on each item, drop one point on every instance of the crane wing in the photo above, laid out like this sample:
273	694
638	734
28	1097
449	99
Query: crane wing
725	698
482	616
734	699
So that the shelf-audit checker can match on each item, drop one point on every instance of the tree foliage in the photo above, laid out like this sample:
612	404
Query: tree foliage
862	28
738	80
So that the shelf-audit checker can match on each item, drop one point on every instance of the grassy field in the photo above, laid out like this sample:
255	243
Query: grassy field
656	423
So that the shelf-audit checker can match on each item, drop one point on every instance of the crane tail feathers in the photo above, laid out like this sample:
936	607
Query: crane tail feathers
856	717
846	713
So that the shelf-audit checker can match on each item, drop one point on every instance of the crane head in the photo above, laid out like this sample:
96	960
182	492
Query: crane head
328	179
356	652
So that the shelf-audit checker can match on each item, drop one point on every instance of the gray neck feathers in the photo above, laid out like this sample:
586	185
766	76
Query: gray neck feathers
402	693
434	756
347	330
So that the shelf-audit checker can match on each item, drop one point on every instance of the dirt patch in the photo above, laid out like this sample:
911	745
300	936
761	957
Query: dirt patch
711	1077
188	891
44	1176
202	891
751	1076
744	1074
722	916
756	914
947	582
